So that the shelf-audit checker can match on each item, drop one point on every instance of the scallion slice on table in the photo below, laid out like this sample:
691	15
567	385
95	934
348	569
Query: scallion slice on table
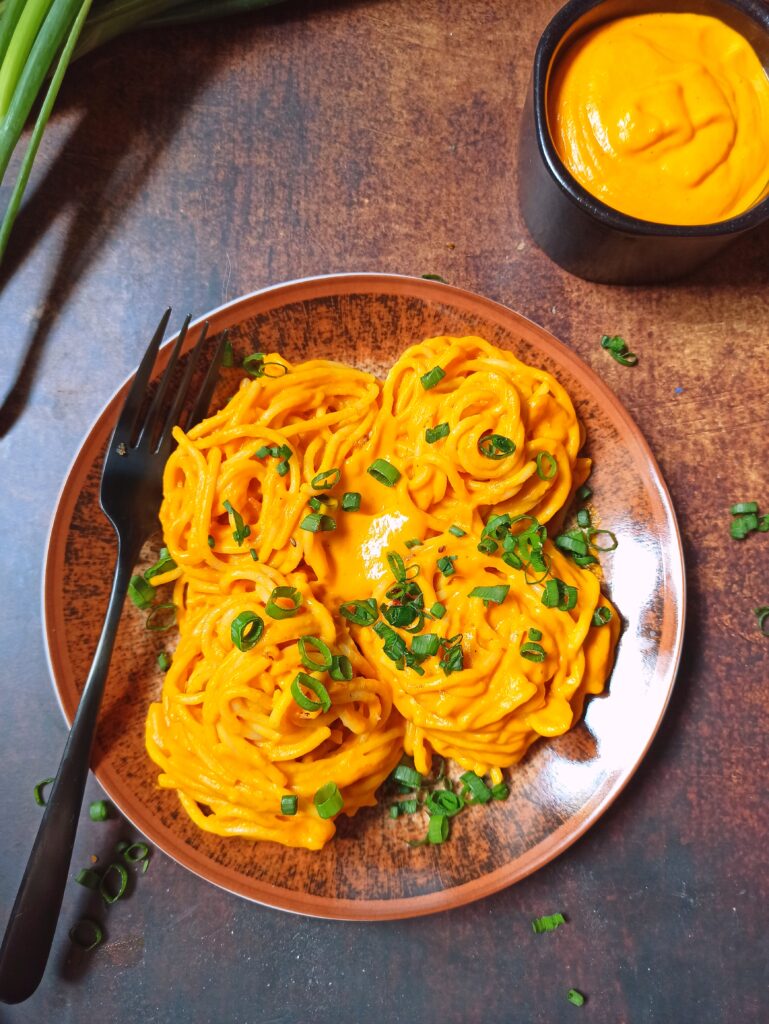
38	791
98	810
548	923
86	934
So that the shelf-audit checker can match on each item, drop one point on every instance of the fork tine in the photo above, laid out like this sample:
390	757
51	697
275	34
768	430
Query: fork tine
126	424
154	411
183	390
202	402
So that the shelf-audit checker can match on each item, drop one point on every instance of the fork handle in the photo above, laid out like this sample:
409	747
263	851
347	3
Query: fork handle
29	934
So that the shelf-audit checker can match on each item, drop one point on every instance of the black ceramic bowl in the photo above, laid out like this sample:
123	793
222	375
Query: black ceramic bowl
575	229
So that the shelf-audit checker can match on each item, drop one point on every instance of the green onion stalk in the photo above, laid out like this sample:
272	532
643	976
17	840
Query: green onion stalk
39	39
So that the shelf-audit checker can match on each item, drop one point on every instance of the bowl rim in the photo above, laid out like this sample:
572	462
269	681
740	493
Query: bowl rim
297	901
549	42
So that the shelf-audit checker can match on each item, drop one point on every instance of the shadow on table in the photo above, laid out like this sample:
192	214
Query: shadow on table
127	133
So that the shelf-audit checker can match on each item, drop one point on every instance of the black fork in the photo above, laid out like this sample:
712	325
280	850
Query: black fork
131	491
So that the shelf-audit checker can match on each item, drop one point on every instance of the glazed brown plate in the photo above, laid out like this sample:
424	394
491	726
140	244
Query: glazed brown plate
368	872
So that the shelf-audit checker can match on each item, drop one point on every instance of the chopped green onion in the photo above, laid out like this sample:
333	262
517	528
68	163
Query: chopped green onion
762	614
601	616
535	634
38	791
283	467
575	997
288	804
583	560
211	541
432	377
763	524
574	545
326	480
134	853
141	592
501	791
551	595
408	776
433	434
394	810
446	564
546	472
548	923
362	613
496	446
742	507
617	348
397	566
488	546
425	645
583	518
108	895
278	611
341	668
568	598
742	525
435	277
408	806
613	542
350	501
255	366
583	493
254	556
452	660
164	564
444	801
326	658
490	595
87	877
98	810
532	652
86	934
157	621
164	661
316	686
400	615
415	542
246	630
241	530
476	785
384	472
438	610
438	829
457	531
328	800
316	523
228	355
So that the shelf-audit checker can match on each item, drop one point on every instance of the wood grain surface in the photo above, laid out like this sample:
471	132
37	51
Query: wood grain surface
188	166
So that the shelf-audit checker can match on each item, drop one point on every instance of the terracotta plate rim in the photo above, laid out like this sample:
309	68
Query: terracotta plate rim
309	905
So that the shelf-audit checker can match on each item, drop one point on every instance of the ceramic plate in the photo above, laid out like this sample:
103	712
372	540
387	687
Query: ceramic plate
560	789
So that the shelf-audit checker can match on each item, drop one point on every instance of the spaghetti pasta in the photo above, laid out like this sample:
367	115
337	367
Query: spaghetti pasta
362	569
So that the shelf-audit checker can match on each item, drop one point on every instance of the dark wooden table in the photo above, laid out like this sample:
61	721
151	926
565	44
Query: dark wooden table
186	167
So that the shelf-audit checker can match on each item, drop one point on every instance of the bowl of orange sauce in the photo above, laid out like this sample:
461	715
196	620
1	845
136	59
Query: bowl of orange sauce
645	135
